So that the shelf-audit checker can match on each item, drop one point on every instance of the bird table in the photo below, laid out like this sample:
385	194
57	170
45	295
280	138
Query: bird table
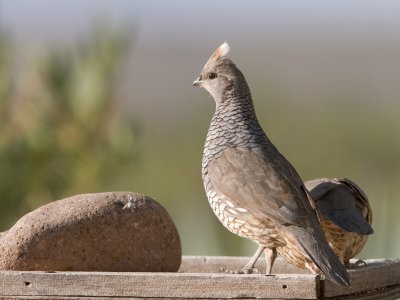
204	277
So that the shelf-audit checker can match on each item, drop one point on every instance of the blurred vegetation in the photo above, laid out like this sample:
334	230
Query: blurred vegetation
60	130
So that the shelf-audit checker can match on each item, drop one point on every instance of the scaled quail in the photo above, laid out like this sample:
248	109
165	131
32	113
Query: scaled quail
345	216
254	191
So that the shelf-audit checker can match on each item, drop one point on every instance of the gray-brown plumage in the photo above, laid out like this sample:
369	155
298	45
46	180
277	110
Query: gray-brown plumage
345	215
254	191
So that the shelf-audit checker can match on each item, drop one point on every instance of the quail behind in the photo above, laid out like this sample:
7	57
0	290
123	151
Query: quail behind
254	191
345	215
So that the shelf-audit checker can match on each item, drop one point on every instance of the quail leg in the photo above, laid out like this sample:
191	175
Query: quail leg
249	267
270	256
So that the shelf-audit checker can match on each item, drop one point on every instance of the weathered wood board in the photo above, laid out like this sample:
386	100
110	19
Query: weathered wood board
199	278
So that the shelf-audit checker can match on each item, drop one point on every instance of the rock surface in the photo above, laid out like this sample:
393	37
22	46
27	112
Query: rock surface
115	231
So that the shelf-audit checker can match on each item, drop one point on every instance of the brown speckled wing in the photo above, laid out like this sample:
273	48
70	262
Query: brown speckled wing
249	181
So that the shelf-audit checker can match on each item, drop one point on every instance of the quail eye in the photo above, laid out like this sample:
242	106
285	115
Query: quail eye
212	75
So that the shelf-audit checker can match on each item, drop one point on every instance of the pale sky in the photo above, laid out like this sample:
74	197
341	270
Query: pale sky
190	20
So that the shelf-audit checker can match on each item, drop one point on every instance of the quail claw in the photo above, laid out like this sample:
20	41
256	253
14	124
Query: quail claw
249	271
358	264
240	271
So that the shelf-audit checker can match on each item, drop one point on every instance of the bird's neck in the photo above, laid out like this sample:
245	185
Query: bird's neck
236	108
235	104
235	124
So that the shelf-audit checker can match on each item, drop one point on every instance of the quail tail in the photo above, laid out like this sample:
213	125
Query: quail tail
324	258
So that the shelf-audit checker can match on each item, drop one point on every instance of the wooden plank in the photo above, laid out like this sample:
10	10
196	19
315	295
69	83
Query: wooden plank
198	278
390	293
372	279
193	285
378	273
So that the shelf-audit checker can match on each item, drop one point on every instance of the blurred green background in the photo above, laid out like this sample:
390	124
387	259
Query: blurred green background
96	96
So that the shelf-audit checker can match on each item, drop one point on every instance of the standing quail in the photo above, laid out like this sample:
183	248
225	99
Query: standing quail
254	191
345	215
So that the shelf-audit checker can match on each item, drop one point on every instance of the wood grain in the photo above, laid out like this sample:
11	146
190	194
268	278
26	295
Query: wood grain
192	285
199	278
377	274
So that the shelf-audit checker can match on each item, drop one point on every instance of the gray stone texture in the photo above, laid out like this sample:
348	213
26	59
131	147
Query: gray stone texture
114	231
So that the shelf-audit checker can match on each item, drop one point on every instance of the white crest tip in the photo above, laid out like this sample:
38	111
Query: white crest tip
224	49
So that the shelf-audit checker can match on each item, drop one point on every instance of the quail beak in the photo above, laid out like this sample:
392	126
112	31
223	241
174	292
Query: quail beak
198	82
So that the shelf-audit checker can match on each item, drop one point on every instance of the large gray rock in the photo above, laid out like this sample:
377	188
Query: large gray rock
116	231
